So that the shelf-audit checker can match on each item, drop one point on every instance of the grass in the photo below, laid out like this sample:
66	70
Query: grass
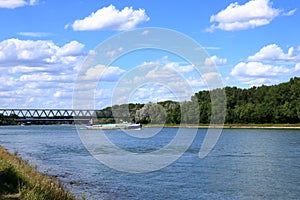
278	126
19	180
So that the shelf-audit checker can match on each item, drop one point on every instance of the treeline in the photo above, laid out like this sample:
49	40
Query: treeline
265	104
8	120
118	113
278	104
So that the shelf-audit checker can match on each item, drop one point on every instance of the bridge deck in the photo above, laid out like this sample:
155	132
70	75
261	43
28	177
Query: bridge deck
49	113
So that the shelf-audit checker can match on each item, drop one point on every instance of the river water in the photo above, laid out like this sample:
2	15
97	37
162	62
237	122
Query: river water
245	164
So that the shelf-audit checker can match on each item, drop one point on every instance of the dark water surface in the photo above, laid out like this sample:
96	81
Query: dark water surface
245	164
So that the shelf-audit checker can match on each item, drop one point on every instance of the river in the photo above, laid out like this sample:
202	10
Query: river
244	164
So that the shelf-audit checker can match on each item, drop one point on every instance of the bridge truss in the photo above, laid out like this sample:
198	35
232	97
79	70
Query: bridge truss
49	115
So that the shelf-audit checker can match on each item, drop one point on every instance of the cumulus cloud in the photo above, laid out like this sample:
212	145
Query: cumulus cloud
39	69
160	79
270	65
240	17
17	3
41	74
163	73
164	70
110	18
273	52
72	48
257	69
17	52
257	73
149	93
258	81
214	60
113	53
104	73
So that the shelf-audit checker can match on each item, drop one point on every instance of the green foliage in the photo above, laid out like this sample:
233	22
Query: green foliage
266	104
18	180
9	180
172	112
8	120
151	113
118	113
257	105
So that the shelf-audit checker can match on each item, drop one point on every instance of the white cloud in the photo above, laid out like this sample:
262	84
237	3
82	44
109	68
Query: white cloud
258	73
35	34
104	73
33	2
146	32
273	52
240	17
214	60
257	69
63	94
162	73
109	18
176	67
21	69
113	53
258	81
16	3
17	52
297	67
269	65
12	3
290	13
196	83
211	48
73	48
44	77
39	69
154	94
160	80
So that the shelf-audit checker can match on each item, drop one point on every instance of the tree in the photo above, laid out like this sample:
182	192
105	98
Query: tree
151	113
265	104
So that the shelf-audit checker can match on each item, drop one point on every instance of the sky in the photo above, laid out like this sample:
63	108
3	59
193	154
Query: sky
44	44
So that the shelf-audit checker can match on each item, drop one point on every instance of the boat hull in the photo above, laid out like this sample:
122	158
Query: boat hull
114	126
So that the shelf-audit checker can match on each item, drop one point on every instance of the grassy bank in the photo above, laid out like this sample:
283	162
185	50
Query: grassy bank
19	180
262	126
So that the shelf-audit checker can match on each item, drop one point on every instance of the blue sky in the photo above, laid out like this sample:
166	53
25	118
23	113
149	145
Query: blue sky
44	43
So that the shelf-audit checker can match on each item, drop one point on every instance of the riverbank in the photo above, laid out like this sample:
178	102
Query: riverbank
19	180
229	126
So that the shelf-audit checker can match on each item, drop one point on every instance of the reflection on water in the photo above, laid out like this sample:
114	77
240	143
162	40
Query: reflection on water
245	164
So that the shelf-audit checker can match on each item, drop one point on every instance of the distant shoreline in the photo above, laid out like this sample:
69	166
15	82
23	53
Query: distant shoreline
230	126
205	126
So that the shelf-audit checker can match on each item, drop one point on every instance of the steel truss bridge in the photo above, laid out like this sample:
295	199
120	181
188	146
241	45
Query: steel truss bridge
42	116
